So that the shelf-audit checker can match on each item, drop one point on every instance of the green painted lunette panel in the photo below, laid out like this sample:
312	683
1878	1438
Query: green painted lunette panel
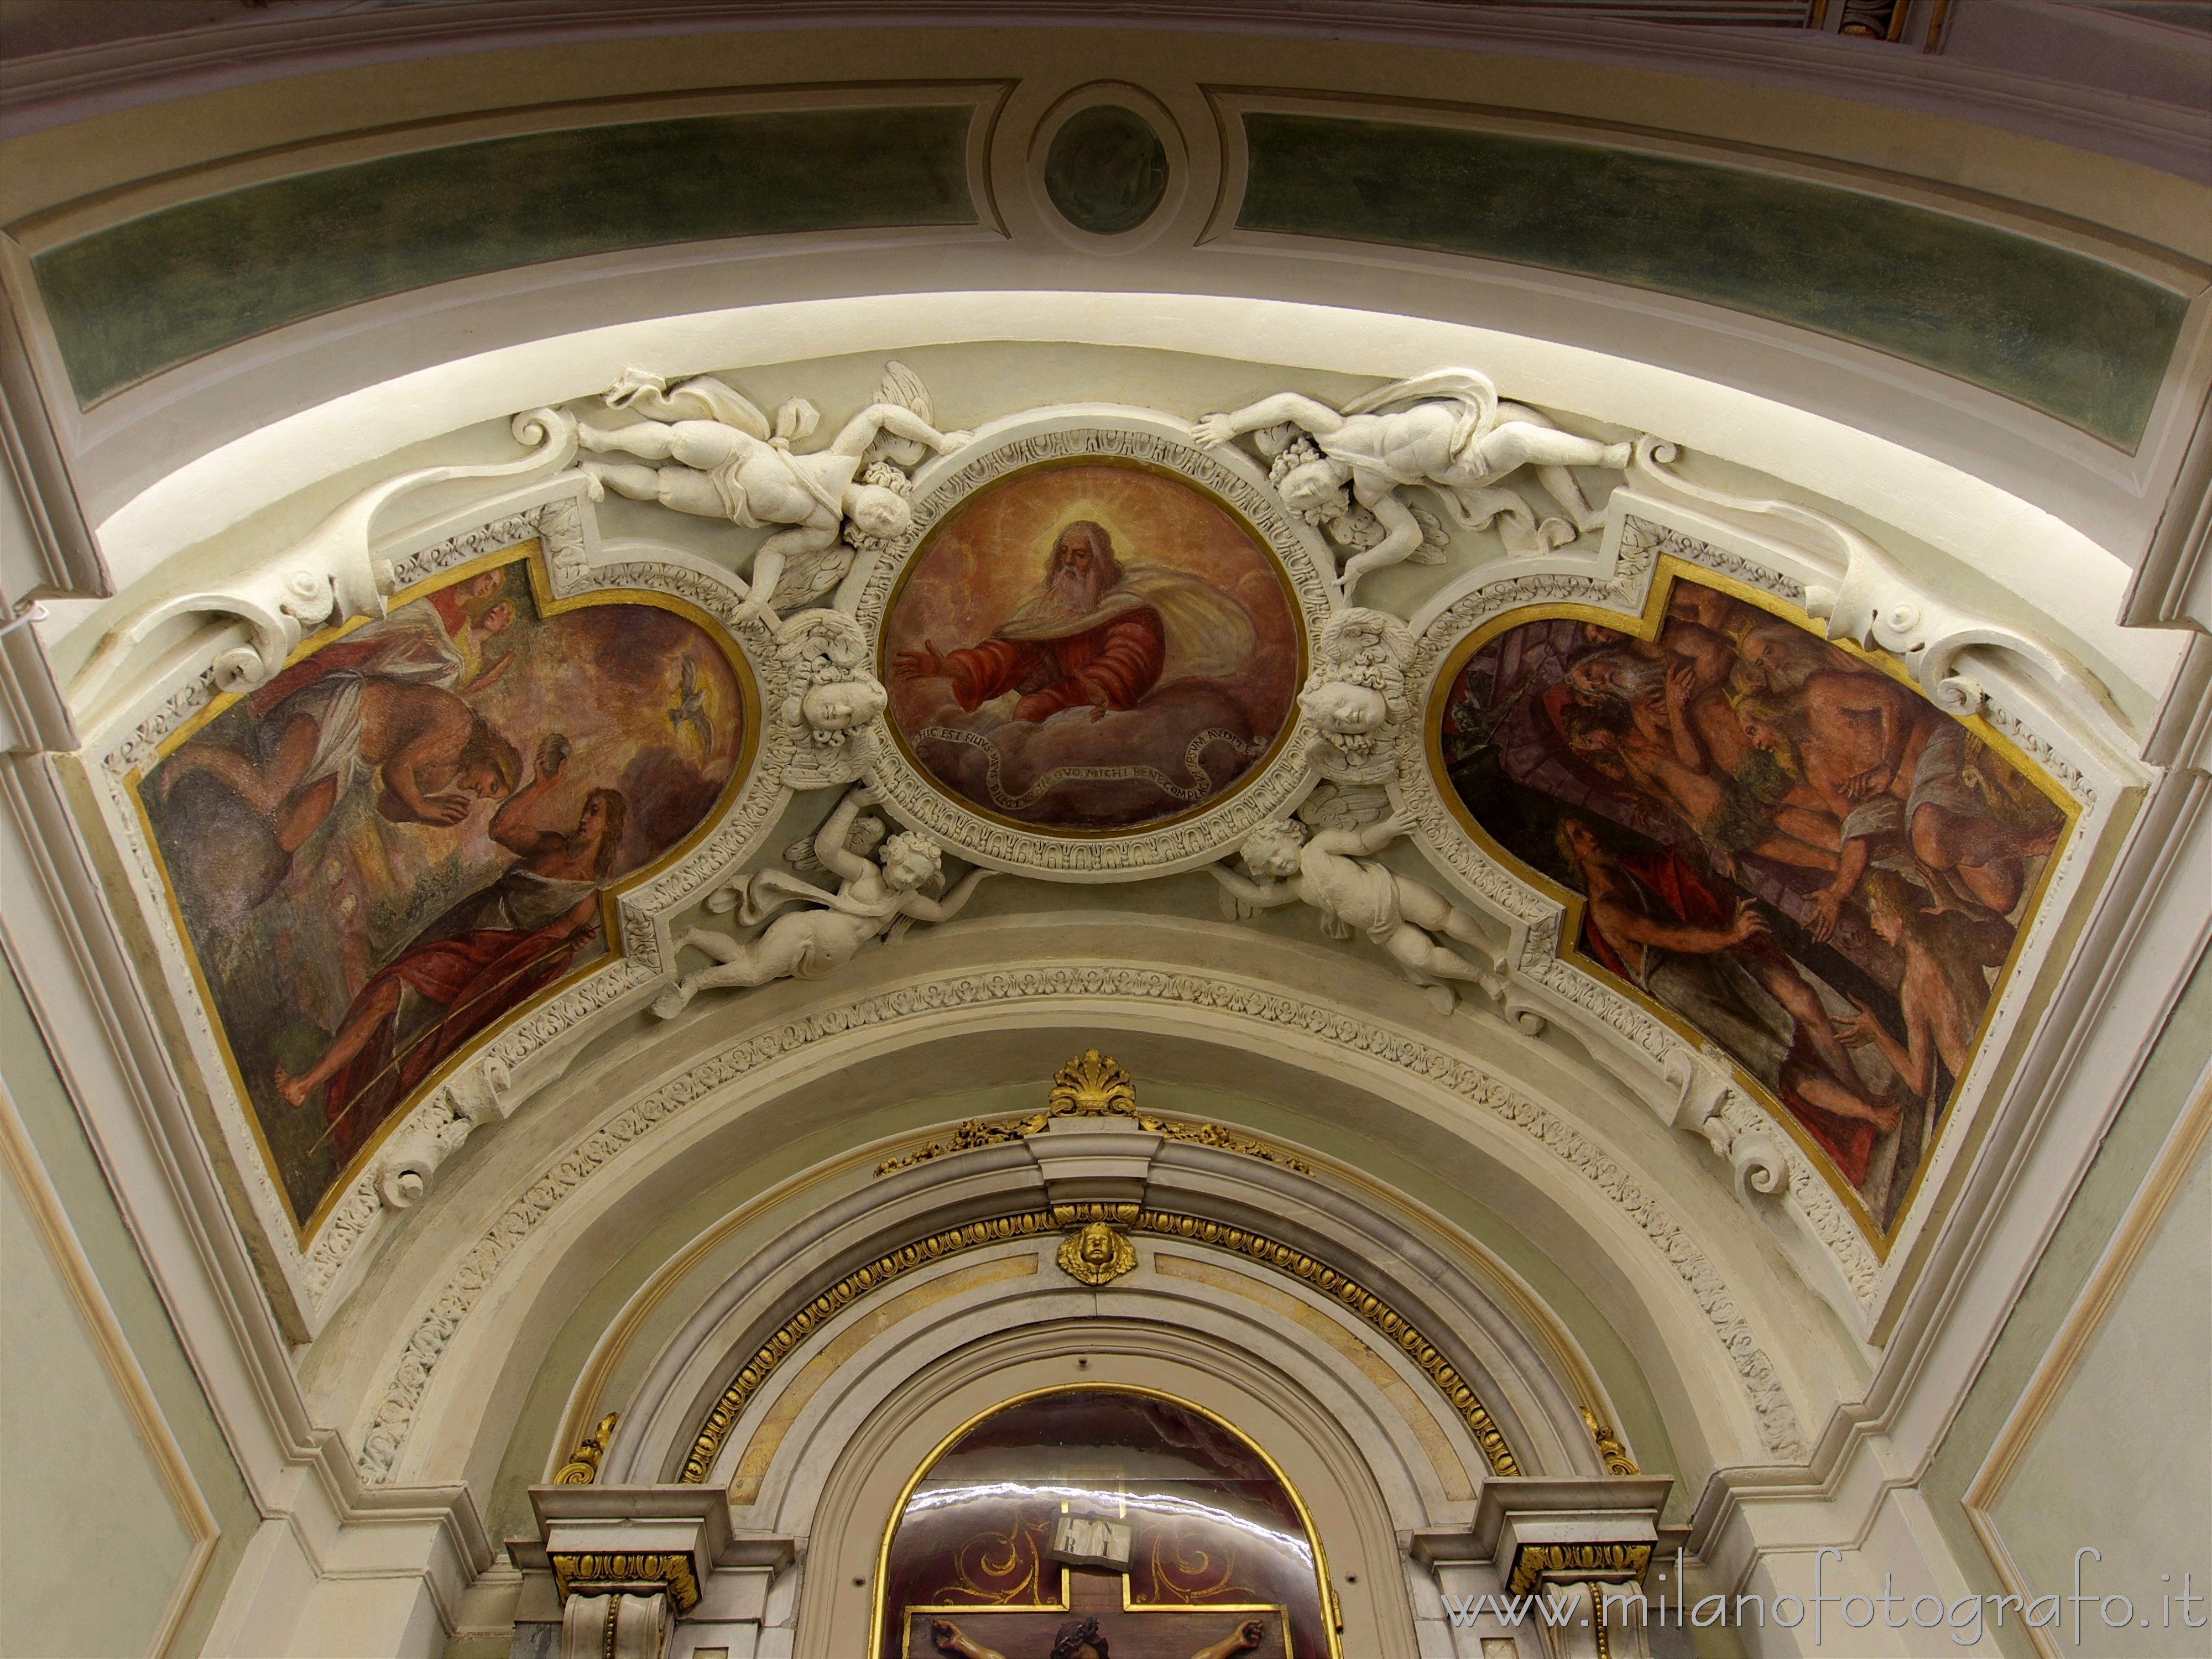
2071	335
130	301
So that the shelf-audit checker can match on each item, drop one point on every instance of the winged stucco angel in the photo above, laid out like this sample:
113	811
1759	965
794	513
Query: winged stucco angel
717	455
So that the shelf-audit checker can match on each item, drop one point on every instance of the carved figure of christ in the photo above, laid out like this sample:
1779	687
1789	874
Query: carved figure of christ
1145	1633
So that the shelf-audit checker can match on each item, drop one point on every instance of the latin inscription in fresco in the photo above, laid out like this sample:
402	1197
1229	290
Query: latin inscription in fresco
408	836
1776	842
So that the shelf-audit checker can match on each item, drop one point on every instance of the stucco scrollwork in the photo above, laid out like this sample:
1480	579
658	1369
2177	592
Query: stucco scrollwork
488	1082
328	576
1446	430
1874	603
384	1438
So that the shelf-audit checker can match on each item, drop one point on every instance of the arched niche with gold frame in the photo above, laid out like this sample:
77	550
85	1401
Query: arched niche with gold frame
1125	1505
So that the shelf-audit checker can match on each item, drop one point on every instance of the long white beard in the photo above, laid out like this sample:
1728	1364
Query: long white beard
1074	592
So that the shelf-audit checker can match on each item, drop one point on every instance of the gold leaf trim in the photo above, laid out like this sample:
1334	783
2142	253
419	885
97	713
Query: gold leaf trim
1361	1302
827	1306
609	1572
1090	1085
1609	1447
583	1465
1612	1562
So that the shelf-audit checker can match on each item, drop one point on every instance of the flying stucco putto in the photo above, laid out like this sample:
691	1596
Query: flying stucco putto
1567	681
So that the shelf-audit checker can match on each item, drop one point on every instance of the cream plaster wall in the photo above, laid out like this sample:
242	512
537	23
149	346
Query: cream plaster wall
2097	1474
2123	1463
82	1493
83	1488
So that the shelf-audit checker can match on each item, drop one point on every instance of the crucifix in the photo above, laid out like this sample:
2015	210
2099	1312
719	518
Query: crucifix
1097	1622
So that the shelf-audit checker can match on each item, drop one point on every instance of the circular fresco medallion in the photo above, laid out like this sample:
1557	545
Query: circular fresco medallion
1094	646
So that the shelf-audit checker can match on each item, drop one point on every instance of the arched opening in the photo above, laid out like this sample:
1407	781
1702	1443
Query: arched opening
1107	1519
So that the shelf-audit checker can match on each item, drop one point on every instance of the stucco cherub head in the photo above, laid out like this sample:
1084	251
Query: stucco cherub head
877	512
1271	852
1343	708
837	706
908	859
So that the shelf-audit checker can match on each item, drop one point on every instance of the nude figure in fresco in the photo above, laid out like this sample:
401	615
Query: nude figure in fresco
432	756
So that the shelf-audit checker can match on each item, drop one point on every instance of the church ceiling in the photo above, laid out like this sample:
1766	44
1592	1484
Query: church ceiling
1480	699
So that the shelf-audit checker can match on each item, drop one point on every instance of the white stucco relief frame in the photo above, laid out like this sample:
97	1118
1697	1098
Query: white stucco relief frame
1246	1010
2053	712
1070	435
307	1276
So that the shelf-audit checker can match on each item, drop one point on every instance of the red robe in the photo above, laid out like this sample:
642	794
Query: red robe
1119	660
476	976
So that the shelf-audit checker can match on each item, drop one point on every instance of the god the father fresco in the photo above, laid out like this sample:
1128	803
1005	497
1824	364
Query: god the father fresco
1097	633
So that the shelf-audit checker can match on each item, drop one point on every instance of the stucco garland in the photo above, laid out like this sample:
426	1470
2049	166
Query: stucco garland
385	1438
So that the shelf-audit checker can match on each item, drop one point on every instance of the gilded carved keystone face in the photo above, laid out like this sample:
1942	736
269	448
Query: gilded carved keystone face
1097	1255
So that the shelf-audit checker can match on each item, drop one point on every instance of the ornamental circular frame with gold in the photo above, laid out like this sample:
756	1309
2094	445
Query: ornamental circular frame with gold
1093	651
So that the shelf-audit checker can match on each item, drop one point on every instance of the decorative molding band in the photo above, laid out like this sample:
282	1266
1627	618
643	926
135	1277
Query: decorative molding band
893	1264
606	1572
1357	1300
448	1310
1585	1562
1360	1303
1089	1086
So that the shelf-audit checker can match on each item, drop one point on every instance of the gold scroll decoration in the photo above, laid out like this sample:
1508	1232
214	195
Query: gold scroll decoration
1617	1459
583	1465
1611	1562
1090	1085
622	1572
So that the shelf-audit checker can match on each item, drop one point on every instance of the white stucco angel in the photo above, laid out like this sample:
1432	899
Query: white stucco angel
870	900
722	458
1448	430
1335	872
1356	694
830	699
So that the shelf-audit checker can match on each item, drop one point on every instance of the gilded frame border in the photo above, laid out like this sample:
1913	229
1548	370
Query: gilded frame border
1645	625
